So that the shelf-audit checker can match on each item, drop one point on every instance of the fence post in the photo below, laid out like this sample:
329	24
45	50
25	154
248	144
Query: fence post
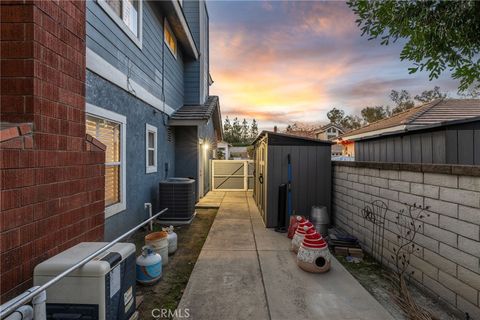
245	175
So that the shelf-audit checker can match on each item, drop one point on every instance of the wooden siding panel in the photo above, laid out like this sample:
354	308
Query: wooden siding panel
397	141
426	147
438	147
416	151
451	146
390	150
465	147
383	150
476	146
406	149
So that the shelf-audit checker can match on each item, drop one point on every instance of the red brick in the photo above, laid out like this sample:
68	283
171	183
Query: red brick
18	13
16	217
9	133
25	128
16	143
45	141
28	142
16	49
12	104
9	158
9	239
26	159
15	178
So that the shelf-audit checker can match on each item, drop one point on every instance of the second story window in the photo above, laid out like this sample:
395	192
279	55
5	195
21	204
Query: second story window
169	38
127	14
127	10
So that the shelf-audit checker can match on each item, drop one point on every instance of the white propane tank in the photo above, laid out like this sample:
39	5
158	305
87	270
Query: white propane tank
172	240
149	266
159	243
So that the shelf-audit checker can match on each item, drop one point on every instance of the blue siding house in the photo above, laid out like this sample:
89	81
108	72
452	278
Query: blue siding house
148	100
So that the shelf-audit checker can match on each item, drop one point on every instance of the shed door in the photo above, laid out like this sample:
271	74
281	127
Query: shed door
261	178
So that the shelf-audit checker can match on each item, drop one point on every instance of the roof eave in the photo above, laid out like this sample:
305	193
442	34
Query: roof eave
174	13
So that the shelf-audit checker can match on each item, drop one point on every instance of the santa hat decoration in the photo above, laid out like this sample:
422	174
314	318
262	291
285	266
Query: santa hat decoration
303	226
313	239
313	254
300	233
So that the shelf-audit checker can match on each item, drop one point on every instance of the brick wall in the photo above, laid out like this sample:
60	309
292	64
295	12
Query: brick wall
52	178
447	263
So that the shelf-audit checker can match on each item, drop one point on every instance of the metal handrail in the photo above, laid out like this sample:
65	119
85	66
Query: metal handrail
12	305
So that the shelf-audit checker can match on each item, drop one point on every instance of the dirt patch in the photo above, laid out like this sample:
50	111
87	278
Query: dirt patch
375	278
166	293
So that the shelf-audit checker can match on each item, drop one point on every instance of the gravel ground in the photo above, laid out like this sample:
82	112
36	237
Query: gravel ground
166	293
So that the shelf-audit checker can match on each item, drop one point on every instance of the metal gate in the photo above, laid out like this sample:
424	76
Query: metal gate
232	175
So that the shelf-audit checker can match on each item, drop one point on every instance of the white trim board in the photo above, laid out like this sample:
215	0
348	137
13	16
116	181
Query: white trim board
113	116
100	66
150	128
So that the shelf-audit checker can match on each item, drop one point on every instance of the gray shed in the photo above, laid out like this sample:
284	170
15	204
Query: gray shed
311	173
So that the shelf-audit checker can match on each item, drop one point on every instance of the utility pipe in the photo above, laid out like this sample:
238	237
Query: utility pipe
12	305
23	313
149	206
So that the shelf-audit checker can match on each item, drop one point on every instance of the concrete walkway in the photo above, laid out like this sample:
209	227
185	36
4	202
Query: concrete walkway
246	271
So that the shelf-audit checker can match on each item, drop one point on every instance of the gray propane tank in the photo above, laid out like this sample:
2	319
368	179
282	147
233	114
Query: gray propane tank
172	240
149	266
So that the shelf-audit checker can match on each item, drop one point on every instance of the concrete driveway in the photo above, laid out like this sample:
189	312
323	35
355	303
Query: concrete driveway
246	271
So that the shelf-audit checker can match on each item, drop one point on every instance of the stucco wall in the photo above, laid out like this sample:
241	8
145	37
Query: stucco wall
141	187
447	263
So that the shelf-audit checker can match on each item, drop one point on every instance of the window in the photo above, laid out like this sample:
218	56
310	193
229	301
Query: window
169	38
109	128
151	148
127	14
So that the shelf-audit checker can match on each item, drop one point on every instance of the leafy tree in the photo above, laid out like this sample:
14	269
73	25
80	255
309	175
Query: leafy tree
439	35
245	130
253	130
430	95
227	129
372	114
402	99
335	115
236	131
351	122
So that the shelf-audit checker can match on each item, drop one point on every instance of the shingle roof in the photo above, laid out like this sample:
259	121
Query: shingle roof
437	112
196	112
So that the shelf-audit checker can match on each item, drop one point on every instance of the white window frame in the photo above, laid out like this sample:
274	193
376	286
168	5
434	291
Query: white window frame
122	120
137	39
166	25
149	128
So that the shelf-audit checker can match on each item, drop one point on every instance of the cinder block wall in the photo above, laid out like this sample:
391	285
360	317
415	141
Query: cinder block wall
52	177
448	261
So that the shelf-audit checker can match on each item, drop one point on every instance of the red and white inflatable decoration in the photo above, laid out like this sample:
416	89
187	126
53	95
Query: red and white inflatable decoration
300	232
313	254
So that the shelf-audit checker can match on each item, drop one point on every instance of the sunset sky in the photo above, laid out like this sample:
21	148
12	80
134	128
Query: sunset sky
281	62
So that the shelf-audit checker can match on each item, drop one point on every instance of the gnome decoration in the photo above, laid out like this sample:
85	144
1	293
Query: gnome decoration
313	254
300	232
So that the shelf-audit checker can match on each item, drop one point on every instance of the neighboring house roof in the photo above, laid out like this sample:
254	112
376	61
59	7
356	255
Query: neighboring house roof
302	133
436	113
195	114
289	139
329	125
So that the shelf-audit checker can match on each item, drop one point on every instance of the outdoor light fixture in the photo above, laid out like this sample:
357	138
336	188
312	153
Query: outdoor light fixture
206	146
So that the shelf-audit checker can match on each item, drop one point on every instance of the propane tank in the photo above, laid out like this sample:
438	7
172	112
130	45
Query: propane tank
172	240
149	266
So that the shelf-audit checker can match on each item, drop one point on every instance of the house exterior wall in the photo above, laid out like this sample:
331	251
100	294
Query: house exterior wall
141	187
186	153
143	65
447	263
454	144
52	178
197	71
